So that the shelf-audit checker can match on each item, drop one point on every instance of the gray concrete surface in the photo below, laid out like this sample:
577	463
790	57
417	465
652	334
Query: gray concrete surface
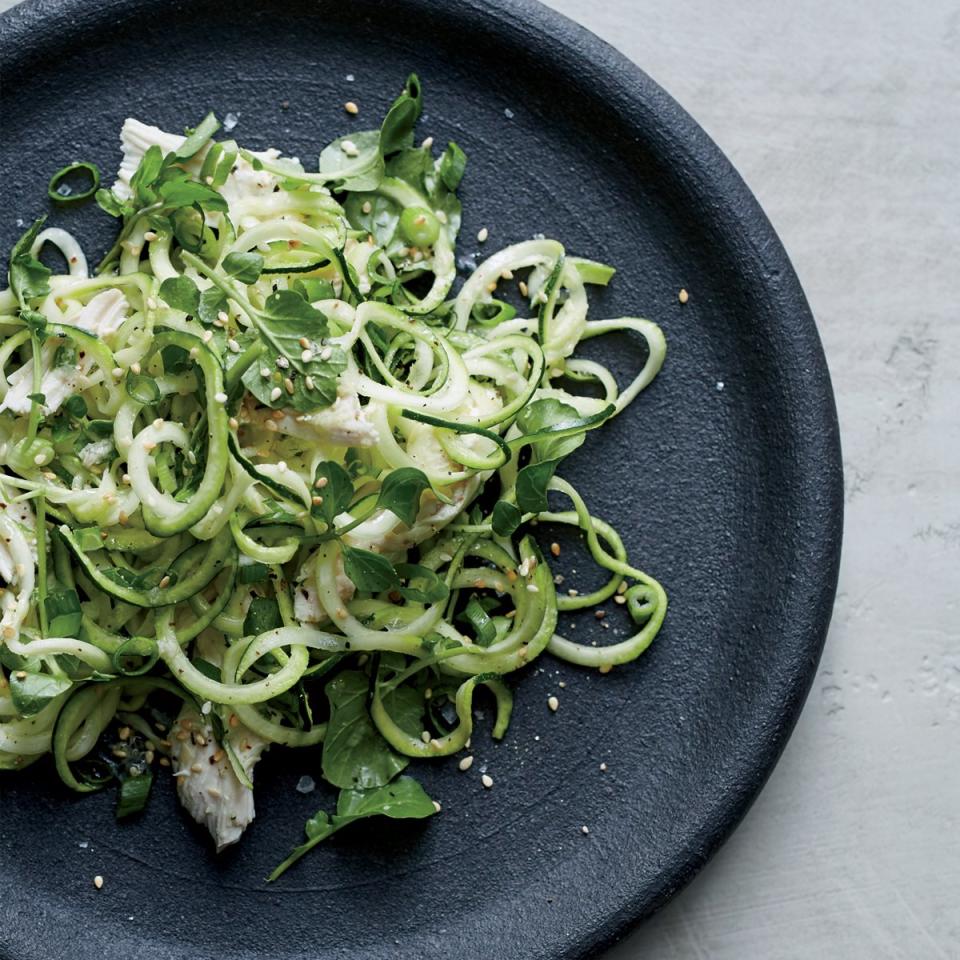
844	117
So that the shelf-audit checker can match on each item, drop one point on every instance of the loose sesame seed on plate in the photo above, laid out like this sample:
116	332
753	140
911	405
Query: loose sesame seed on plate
98	881
553	703
436	806
482	234
603	768
585	830
466	763
487	780
683	296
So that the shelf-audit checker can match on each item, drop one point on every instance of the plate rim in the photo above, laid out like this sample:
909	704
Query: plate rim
737	212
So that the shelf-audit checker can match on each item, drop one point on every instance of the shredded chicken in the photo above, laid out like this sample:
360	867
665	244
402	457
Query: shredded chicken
343	424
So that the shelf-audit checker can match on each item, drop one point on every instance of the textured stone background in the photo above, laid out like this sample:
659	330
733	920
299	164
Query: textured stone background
844	118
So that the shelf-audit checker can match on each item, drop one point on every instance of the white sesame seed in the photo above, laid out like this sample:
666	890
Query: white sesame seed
206	708
308	382
233	423
135	367
275	393
427	143
585	830
436	806
532	588
683	296
283	363
487	780
39	459
326	353
191	456
164	583
349	148
220	397
553	703
150	236
158	423
603	768
306	356
620	598
321	482
425	736
351	107
117	372
194	353
282	466
233	346
367	206
466	763
288	385
482	234
98	881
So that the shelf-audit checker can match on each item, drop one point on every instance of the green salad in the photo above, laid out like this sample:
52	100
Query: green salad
270	476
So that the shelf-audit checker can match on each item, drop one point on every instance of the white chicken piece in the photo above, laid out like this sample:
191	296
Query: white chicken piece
22	513
306	603
207	785
96	452
343	424
383	532
102	316
243	183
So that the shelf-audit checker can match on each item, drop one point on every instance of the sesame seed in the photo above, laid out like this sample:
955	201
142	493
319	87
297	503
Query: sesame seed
555	549
191	456
326	353
158	423
220	397
316	501
487	780
206	708
124	733
623	587
351	107
342	614
367	206
562	685
553	703
427	143
164	762
164	583
39	459
506	274
233	423
288	385
216	794
349	148
425	736
466	763
482	234
233	346
308	382
532	588
197	768
150	236
275	393
600	614
606	667
321	482
149	445
492	287
603	768
21	674
585	830
194	353
306	356
98	881
264	372
683	296
542	296
620	598
135	367
117	373
223	316
524	291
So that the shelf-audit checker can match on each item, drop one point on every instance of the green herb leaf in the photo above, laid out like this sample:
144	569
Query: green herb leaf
36	322
252	572
369	571
337	491
532	483
203	131
76	406
185	193
354	161
31	692
246	267
355	756
404	799
111	204
27	275
145	176
212	302
506	518
431	588
555	429
263	615
317	825
452	165
400	493
63	613
396	131
181	293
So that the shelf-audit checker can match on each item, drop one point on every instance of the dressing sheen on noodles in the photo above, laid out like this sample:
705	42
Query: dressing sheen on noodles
268	478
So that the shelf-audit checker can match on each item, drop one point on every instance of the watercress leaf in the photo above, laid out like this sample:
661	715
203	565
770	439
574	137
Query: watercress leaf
189	227
532	483
396	131
145	176
555	429
353	162
36	322
314	288
185	193
400	493
63	612
287	317
212	302
109	202
452	165
506	518
401	800
430	588
76	406
368	570
333	484
484	629
203	131
27	275
318	824
381	220
246	267
181	293
142	388
405	705
31	692
412	165
355	756
263	615
315	383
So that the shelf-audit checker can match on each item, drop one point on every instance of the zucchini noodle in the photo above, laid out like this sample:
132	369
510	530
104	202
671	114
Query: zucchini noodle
269	477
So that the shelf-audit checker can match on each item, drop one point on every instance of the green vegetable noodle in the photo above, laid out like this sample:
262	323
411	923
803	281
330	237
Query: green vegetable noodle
273	474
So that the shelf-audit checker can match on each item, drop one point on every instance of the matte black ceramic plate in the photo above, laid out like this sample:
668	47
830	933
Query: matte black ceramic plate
724	477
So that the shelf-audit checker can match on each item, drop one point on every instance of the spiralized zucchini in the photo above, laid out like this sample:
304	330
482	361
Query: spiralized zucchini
269	477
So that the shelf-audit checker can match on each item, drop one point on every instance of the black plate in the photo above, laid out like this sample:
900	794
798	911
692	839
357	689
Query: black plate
731	496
